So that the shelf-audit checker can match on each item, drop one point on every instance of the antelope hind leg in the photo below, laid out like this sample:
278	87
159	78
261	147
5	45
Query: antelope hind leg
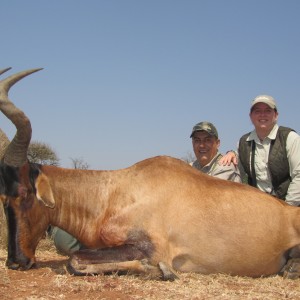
292	269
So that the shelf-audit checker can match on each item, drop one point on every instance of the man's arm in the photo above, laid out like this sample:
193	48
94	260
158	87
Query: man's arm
230	172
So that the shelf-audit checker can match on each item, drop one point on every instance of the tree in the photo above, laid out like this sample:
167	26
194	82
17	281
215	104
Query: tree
42	153
79	163
189	157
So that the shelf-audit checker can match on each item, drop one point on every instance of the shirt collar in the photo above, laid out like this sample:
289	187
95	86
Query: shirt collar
272	135
210	164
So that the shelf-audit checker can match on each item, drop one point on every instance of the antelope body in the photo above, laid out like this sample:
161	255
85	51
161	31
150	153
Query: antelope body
156	217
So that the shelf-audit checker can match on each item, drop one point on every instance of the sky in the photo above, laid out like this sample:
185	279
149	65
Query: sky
124	80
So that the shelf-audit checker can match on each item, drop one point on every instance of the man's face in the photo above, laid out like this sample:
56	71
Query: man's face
205	146
263	117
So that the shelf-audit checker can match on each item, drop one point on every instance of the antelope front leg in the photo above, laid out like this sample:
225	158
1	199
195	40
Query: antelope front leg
122	260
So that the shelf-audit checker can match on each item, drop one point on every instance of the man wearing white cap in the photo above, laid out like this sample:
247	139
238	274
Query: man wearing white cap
270	154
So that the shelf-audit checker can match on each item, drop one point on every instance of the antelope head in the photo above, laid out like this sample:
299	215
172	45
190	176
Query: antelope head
13	187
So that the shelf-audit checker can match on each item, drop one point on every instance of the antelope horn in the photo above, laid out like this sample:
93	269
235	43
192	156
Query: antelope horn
16	151
4	141
4	70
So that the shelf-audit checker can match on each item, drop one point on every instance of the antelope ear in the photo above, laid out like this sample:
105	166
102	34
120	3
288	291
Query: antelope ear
43	191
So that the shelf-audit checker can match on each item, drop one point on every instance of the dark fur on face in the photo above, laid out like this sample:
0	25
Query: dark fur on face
9	180
12	187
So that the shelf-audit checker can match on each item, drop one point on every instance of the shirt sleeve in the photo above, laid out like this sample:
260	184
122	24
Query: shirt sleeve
293	154
227	172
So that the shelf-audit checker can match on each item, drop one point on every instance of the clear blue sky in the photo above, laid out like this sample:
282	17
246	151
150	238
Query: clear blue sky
126	80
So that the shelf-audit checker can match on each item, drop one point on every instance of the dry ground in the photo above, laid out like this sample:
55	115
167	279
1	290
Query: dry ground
51	281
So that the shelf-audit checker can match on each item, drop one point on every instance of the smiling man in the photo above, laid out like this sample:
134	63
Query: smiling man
270	154
206	144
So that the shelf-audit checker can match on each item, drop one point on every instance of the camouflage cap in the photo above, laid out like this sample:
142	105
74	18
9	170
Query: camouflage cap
205	126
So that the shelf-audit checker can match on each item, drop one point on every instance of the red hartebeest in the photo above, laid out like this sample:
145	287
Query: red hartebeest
156	217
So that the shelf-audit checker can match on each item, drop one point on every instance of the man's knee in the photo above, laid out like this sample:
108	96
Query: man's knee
65	242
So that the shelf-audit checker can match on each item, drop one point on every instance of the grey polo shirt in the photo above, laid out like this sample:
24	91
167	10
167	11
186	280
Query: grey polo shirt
214	169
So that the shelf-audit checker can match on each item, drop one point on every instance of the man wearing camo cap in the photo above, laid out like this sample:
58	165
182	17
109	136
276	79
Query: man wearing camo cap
206	144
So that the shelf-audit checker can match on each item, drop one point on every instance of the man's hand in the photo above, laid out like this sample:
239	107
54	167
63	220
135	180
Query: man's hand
228	158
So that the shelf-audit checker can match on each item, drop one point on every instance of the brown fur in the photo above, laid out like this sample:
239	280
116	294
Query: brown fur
174	213
171	214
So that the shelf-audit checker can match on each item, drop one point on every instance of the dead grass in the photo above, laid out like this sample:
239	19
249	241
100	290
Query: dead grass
51	281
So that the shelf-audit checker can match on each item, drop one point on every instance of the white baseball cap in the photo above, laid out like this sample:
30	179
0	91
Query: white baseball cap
265	99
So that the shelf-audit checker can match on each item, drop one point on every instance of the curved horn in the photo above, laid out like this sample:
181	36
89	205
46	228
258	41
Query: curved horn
16	152
4	70
4	141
